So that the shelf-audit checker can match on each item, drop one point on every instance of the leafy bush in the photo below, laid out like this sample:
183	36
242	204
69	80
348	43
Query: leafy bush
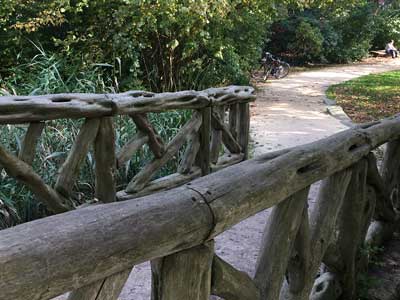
307	43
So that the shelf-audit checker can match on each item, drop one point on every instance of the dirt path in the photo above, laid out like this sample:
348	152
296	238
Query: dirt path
287	113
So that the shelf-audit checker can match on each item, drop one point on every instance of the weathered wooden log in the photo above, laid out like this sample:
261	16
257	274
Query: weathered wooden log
107	289
28	148
351	226
144	176
179	218
105	167
156	143
190	154
231	94
384	207
183	275
231	284
244	128
24	109
203	157
233	119
299	259
216	136
322	226
227	160
26	175
278	239
135	102
105	161
227	138
69	171
162	184
129	149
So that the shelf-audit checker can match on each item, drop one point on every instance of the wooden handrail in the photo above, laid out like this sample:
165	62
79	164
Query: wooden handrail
47	257
24	109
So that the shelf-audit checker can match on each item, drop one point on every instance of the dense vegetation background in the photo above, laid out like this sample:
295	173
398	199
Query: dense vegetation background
160	45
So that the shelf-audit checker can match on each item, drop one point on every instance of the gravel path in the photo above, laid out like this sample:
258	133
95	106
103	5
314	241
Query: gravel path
288	112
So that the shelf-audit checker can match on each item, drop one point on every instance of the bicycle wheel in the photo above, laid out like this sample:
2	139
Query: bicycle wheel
266	72
282	70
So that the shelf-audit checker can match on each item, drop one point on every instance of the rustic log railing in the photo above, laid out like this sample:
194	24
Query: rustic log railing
91	250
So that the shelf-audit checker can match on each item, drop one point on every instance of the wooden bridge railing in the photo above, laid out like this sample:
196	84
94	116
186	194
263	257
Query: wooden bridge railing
92	250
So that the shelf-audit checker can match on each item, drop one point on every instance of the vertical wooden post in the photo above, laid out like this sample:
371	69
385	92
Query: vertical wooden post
204	151
244	128
279	235
105	159
183	275
233	119
322	220
352	227
28	149
216	136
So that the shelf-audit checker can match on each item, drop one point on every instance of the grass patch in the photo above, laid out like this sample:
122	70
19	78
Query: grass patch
370	97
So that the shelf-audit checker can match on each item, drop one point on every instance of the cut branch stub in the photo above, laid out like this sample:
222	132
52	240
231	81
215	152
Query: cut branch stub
69	171
144	176
156	144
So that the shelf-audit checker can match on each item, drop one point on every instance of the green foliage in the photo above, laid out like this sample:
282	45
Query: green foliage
333	31
161	45
308	41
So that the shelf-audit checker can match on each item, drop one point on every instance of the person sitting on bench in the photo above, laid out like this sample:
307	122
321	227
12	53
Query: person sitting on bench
391	49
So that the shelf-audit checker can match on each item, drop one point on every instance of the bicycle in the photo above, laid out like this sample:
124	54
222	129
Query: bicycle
272	66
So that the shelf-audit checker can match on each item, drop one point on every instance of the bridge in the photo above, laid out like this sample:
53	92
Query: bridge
172	221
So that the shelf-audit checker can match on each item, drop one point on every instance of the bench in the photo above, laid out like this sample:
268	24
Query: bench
379	53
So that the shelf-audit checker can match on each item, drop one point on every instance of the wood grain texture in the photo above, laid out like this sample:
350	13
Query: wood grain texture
322	227
183	275
24	173
155	141
189	157
203	157
231	284
162	184
105	161
233	119
144	176
28	148
299	258
244	128
69	170
352	227
227	138
106	289
45	266
25	109
277	243
130	148
53	252
216	135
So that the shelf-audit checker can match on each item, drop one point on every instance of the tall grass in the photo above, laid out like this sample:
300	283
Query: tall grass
44	74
